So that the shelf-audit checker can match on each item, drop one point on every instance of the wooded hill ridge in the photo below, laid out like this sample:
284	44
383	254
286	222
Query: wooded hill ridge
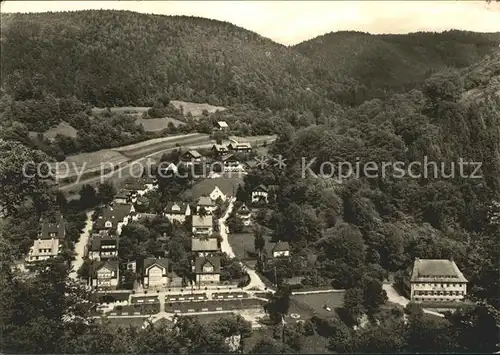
117	58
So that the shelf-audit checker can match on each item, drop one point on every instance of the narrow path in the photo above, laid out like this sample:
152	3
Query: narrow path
255	281
80	246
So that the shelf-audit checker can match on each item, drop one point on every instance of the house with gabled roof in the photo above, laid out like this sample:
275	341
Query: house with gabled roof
260	194
244	213
155	273
103	246
220	149
105	274
43	249
222	188
437	280
52	227
207	270
177	211
222	125
122	197
277	249
208	205
114	217
191	156
232	163
240	147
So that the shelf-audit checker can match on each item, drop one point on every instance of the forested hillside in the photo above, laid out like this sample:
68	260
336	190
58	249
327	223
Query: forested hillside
115	58
123	58
353	98
395	63
369	225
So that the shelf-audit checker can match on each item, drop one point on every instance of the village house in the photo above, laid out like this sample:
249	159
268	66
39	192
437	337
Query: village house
52	227
437	280
232	164
105	274
260	194
223	188
155	273
204	247
207	270
43	249
122	197
217	193
222	126
190	157
244	214
207	204
278	249
202	226
138	187
240	147
219	149
114	217
103	246
177	211
134	188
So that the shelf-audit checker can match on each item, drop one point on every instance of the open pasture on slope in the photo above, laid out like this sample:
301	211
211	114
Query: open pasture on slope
157	124
196	109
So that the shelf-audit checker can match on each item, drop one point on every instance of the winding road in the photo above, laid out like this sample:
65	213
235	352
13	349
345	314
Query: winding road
255	280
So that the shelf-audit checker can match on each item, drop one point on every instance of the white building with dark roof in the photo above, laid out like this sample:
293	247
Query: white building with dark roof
177	211
207	270
43	249
54	227
437	280
155	273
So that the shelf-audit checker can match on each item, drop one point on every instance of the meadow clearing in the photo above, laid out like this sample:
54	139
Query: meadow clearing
157	124
63	128
196	109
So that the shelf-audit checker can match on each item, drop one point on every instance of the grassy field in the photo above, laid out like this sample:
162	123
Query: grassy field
242	243
63	128
157	124
92	161
195	108
313	304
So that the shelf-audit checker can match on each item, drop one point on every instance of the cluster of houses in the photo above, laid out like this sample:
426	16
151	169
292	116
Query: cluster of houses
156	273
232	157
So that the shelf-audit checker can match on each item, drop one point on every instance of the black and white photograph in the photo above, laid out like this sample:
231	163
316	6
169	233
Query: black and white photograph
250	177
